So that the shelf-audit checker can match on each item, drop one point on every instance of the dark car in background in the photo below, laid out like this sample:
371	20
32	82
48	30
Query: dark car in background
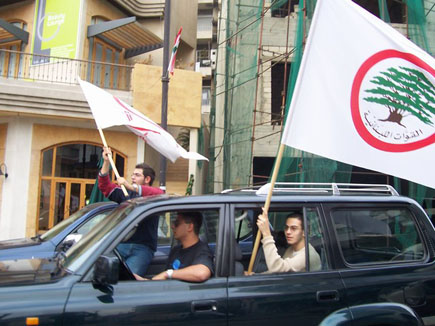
377	252
61	236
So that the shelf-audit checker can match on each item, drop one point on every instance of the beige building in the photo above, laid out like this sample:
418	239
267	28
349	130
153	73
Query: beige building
49	143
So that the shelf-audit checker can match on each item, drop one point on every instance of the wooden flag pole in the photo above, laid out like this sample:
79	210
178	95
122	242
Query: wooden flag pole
112	164
266	205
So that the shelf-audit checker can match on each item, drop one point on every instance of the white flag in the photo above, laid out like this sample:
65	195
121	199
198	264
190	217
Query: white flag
364	96
110	111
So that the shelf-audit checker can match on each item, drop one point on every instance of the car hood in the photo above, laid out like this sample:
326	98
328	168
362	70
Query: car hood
15	243
27	271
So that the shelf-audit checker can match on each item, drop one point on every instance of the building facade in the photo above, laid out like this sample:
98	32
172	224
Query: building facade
49	144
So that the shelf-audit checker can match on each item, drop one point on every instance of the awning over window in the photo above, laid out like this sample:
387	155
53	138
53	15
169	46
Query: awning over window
128	34
9	33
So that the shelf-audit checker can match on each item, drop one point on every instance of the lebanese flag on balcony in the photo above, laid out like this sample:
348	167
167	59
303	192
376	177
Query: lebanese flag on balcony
174	52
109	111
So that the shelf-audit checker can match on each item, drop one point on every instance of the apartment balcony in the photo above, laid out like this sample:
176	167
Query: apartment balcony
205	61
29	67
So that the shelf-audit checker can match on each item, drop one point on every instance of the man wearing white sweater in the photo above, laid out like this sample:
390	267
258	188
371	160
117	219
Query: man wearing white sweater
293	259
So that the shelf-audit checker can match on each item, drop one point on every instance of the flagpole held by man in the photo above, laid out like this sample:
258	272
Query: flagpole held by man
110	159
368	101
139	249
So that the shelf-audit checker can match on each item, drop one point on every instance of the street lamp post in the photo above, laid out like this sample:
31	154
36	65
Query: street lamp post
165	86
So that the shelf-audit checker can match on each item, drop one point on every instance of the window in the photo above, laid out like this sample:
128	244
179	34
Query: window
68	174
278	87
204	22
207	233
282	8
11	62
377	235
396	9
246	229
106	73
88	225
262	169
165	237
205	96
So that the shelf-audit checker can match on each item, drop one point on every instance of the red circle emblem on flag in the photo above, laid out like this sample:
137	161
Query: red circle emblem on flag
392	102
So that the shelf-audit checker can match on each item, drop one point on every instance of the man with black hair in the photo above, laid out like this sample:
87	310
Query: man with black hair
192	260
293	259
138	251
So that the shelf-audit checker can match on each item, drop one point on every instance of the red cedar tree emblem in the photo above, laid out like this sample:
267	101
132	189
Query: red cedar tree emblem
401	90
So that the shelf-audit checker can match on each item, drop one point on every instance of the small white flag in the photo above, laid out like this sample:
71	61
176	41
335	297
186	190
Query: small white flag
108	111
365	95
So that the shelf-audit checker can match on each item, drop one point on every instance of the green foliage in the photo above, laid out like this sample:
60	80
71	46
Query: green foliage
189	186
405	90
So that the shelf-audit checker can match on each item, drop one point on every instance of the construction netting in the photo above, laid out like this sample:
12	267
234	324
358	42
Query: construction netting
236	89
416	23
238	95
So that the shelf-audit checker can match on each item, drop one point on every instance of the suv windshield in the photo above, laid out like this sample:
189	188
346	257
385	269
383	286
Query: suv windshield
81	251
62	225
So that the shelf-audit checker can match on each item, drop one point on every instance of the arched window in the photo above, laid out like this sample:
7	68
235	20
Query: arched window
67	176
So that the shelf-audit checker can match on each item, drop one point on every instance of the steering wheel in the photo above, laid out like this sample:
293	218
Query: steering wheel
125	272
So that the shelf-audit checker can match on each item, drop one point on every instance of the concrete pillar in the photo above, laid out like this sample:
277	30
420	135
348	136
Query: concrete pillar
13	211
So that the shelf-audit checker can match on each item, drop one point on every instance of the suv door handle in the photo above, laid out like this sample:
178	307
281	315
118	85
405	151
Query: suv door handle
204	306
327	296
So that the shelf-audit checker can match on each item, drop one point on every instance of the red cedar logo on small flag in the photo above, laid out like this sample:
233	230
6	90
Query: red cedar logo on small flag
174	52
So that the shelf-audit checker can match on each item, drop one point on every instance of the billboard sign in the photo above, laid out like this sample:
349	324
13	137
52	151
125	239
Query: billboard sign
55	30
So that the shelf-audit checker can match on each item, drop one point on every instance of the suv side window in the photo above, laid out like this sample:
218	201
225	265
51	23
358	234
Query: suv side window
377	235
245	231
207	233
166	240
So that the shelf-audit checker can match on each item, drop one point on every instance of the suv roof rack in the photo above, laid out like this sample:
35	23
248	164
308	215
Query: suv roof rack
336	189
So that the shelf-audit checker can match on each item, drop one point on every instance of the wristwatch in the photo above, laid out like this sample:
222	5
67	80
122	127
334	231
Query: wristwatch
169	272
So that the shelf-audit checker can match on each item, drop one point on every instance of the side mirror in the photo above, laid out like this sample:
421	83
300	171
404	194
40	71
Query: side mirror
106	270
69	241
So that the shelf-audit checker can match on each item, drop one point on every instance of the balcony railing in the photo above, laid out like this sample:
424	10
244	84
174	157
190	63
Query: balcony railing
203	56
20	65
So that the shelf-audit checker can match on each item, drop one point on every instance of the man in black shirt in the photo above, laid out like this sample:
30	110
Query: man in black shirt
192	260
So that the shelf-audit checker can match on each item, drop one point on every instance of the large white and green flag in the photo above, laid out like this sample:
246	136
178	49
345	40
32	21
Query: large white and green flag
365	95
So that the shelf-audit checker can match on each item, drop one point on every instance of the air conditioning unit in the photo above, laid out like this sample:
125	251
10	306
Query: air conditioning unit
213	58
205	63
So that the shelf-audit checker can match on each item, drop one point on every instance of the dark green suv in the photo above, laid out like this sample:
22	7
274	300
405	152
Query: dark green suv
376	250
